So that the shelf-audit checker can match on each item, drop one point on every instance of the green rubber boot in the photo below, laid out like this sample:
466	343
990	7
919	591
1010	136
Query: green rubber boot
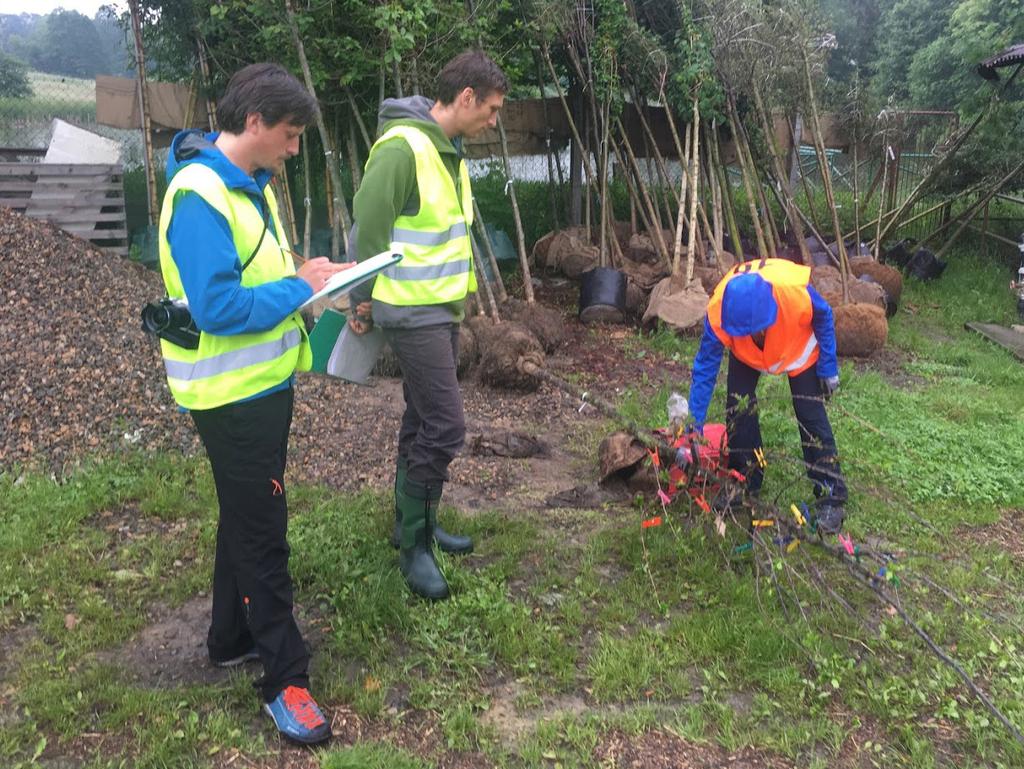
416	550
452	544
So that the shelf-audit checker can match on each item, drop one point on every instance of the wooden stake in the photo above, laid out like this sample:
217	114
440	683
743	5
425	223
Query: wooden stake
355	167
482	277
972	212
781	176
826	178
548	153
730	212
482	229
762	248
694	191
771	232
359	119
204	69
288	206
307	202
657	235
948	155
568	113
684	161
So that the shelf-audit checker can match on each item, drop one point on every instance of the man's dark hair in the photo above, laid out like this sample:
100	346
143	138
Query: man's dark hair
470	69
270	90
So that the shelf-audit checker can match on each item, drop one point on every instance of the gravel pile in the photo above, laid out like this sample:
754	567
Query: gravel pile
78	377
76	373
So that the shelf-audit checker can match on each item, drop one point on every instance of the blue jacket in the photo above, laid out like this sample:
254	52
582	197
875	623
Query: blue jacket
204	251
709	355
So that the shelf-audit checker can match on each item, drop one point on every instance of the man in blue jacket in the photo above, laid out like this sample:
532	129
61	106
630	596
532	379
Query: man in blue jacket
769	317
224	251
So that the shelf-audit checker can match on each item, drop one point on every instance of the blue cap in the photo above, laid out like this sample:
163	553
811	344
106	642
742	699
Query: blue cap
748	305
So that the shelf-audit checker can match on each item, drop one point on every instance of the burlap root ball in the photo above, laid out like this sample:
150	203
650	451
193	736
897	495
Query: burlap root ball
861	292
867	292
545	323
861	329
387	363
636	299
468	351
539	254
888	277
826	280
503	350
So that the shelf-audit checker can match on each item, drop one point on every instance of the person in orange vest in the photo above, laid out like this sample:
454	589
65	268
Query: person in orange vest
769	317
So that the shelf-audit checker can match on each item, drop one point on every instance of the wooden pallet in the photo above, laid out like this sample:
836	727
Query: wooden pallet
83	199
1005	337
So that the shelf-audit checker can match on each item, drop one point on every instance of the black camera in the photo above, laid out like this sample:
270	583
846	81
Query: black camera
170	319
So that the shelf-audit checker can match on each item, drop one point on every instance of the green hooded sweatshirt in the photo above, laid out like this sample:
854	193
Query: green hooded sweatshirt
389	190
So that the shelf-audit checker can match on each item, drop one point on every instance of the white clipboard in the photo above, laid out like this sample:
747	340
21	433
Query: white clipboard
344	281
354	355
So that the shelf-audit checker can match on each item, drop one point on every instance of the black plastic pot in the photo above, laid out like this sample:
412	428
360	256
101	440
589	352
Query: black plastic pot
603	296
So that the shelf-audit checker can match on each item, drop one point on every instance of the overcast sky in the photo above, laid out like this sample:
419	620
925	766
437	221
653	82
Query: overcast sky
43	7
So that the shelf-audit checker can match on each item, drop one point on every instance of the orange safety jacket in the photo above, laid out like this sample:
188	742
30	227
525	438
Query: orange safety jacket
790	345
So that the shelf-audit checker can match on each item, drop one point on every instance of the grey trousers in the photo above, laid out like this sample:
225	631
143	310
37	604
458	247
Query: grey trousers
433	425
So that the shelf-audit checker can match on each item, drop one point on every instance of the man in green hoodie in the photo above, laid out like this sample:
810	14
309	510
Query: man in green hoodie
415	197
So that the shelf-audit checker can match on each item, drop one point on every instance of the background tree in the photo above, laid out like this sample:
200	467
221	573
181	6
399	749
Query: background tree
114	41
18	27
855	24
67	43
14	81
904	32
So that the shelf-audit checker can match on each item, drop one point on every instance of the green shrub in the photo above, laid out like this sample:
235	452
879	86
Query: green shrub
13	78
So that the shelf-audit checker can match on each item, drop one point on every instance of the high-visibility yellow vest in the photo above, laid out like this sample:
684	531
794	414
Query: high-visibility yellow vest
437	266
790	346
225	369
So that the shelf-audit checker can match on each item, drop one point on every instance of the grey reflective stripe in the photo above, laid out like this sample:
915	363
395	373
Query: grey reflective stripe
421	238
233	360
429	271
812	343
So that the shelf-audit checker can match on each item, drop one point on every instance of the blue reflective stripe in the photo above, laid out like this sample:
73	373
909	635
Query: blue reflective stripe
232	360
421	238
429	271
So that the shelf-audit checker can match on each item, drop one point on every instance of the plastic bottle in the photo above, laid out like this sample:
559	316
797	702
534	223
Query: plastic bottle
678	411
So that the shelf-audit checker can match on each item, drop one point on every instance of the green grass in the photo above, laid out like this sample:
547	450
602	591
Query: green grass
52	96
618	628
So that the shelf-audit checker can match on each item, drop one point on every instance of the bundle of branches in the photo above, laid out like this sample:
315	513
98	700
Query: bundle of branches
855	587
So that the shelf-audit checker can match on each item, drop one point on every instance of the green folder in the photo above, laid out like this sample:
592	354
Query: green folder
323	337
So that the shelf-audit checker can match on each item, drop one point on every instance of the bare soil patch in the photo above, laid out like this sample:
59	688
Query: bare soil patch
171	650
665	750
1005	535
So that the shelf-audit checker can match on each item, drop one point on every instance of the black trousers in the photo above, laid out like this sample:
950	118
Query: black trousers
816	439
247	444
433	425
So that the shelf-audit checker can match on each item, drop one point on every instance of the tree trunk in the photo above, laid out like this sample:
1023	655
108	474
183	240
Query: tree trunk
826	178
147	127
339	225
762	249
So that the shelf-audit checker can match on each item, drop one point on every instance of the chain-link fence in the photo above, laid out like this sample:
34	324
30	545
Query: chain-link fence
26	122
26	127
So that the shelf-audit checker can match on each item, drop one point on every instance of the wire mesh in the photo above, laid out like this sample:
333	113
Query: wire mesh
26	123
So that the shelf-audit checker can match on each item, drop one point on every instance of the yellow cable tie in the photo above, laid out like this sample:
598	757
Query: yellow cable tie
800	520
759	456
